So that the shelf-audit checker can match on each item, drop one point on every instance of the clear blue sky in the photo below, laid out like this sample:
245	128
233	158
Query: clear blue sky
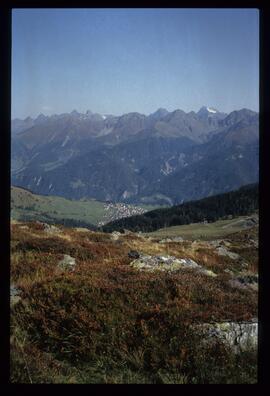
121	60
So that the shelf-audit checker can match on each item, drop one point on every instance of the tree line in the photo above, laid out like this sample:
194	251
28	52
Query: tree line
241	202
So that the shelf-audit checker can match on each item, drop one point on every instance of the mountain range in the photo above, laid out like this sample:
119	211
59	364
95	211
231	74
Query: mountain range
163	158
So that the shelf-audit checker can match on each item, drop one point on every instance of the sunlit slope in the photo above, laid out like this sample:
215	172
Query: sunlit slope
27	206
218	229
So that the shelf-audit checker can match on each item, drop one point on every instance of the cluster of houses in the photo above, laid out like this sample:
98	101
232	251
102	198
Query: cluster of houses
115	211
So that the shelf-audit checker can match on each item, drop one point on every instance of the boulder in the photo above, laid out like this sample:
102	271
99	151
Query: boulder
245	281
51	229
219	243
68	263
237	335
115	235
167	263
223	251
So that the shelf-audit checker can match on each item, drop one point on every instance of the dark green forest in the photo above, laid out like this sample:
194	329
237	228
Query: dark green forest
241	202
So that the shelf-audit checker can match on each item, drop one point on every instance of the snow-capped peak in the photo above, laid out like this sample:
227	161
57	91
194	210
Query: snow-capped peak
104	117
210	110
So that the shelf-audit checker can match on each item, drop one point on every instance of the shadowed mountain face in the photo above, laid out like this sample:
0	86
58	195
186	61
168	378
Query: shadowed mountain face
166	157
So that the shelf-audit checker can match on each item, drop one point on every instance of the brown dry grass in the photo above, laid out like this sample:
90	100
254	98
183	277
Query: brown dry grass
125	322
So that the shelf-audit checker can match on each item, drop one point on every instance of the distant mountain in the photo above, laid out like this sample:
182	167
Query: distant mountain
210	112
243	201
163	158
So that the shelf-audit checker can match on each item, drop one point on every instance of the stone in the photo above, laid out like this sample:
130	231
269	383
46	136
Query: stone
208	272
51	229
14	294
167	263
237	335
175	239
81	229
245	281
223	251
228	271
115	235
68	263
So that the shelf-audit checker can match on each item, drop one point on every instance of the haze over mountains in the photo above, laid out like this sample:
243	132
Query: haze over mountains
163	158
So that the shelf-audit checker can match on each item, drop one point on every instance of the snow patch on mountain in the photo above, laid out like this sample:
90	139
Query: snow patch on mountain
211	110
65	141
167	168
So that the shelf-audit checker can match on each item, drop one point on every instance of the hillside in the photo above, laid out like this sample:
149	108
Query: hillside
207	231
235	203
89	307
27	206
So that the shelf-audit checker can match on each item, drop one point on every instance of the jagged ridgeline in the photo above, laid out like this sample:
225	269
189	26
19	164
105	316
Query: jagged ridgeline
241	202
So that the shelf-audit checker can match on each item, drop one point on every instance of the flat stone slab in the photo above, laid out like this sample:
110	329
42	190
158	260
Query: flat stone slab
175	239
167	263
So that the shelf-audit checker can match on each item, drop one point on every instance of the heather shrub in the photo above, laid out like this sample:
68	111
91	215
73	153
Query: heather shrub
106	322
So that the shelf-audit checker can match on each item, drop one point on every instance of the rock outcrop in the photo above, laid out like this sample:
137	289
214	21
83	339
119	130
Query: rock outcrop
167	263
237	335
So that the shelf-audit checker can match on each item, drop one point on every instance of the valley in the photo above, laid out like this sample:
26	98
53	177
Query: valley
87	213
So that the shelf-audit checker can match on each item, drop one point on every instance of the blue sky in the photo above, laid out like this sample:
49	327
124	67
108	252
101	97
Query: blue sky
114	61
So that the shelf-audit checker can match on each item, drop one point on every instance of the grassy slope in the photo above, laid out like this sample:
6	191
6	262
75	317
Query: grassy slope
25	204
218	229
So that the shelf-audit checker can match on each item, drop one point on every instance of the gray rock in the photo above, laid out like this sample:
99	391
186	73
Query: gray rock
14	294
81	229
175	239
115	235
238	335
51	229
68	263
227	271
245	281
219	243
167	263
254	243
223	251
14	290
